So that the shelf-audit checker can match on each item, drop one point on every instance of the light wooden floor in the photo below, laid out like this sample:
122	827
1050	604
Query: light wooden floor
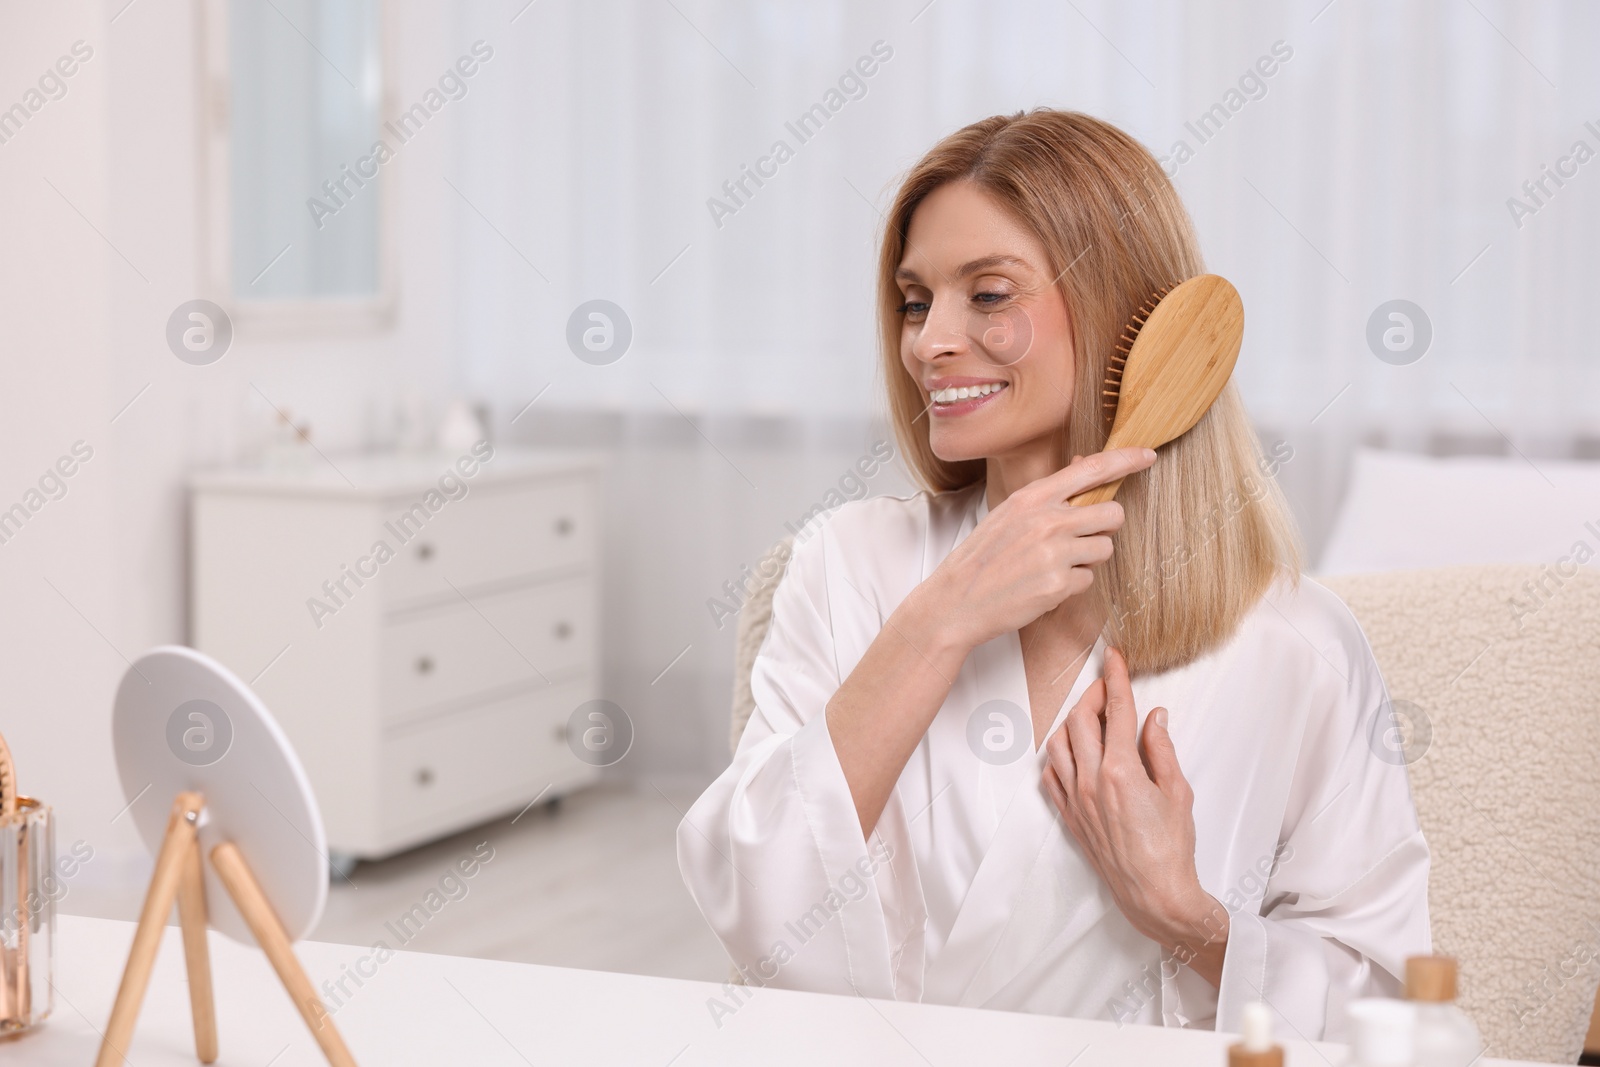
593	884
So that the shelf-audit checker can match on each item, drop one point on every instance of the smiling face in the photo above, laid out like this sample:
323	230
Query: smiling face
1062	193
985	331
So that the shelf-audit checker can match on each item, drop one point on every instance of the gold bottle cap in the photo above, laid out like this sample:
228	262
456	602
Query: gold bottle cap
1431	979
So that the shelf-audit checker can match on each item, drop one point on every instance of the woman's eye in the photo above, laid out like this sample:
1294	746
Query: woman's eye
913	309
990	299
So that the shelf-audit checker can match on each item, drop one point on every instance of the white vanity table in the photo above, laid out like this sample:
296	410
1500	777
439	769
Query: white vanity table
438	1010
422	633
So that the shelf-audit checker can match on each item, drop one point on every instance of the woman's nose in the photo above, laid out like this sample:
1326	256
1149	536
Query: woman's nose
943	332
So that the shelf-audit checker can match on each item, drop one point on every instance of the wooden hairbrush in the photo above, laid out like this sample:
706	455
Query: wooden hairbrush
1174	357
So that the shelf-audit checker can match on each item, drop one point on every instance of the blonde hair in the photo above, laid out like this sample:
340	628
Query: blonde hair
1207	530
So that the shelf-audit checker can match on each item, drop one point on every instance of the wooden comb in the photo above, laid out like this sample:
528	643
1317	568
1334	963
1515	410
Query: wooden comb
1174	357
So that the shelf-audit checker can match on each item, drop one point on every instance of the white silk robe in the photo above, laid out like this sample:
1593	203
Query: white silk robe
971	891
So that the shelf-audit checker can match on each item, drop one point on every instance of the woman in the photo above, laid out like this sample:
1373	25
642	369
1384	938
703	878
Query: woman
1114	761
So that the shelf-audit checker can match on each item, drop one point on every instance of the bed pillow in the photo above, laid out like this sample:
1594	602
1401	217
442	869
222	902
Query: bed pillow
1404	512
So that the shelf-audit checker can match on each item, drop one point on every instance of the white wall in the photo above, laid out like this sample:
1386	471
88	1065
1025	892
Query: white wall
58	664
84	333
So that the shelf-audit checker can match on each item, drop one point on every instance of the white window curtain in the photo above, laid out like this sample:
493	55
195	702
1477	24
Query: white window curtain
1375	163
1378	161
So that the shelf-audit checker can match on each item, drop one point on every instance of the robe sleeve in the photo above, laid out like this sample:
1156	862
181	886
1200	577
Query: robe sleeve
772	852
1348	899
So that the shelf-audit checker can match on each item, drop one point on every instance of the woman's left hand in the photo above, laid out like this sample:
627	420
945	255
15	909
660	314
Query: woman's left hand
1132	813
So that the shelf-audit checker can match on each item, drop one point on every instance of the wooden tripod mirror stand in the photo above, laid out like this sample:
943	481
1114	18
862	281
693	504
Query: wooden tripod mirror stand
184	726
179	875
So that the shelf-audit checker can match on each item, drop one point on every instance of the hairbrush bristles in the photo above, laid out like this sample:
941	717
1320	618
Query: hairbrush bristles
1118	363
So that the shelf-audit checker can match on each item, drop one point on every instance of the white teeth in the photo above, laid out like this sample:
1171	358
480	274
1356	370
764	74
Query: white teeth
965	392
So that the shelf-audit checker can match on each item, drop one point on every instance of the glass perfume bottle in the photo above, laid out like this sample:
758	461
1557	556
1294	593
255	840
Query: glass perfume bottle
27	914
1446	1036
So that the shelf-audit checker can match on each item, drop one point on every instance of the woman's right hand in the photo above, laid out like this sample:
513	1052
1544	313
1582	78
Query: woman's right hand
1031	553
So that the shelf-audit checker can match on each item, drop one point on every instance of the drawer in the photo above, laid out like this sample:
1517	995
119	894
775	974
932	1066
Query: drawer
488	536
476	761
489	643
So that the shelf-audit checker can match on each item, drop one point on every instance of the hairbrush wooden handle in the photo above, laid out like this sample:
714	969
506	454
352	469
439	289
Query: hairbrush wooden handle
1098	495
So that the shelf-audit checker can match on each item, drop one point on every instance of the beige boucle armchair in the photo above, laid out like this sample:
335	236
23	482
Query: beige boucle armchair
1496	683
1504	662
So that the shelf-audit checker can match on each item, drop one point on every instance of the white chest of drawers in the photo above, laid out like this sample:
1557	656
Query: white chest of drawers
422	633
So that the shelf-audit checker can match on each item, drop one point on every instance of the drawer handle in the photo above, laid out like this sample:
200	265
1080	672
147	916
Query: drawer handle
425	551
424	776
563	526
424	665
563	630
